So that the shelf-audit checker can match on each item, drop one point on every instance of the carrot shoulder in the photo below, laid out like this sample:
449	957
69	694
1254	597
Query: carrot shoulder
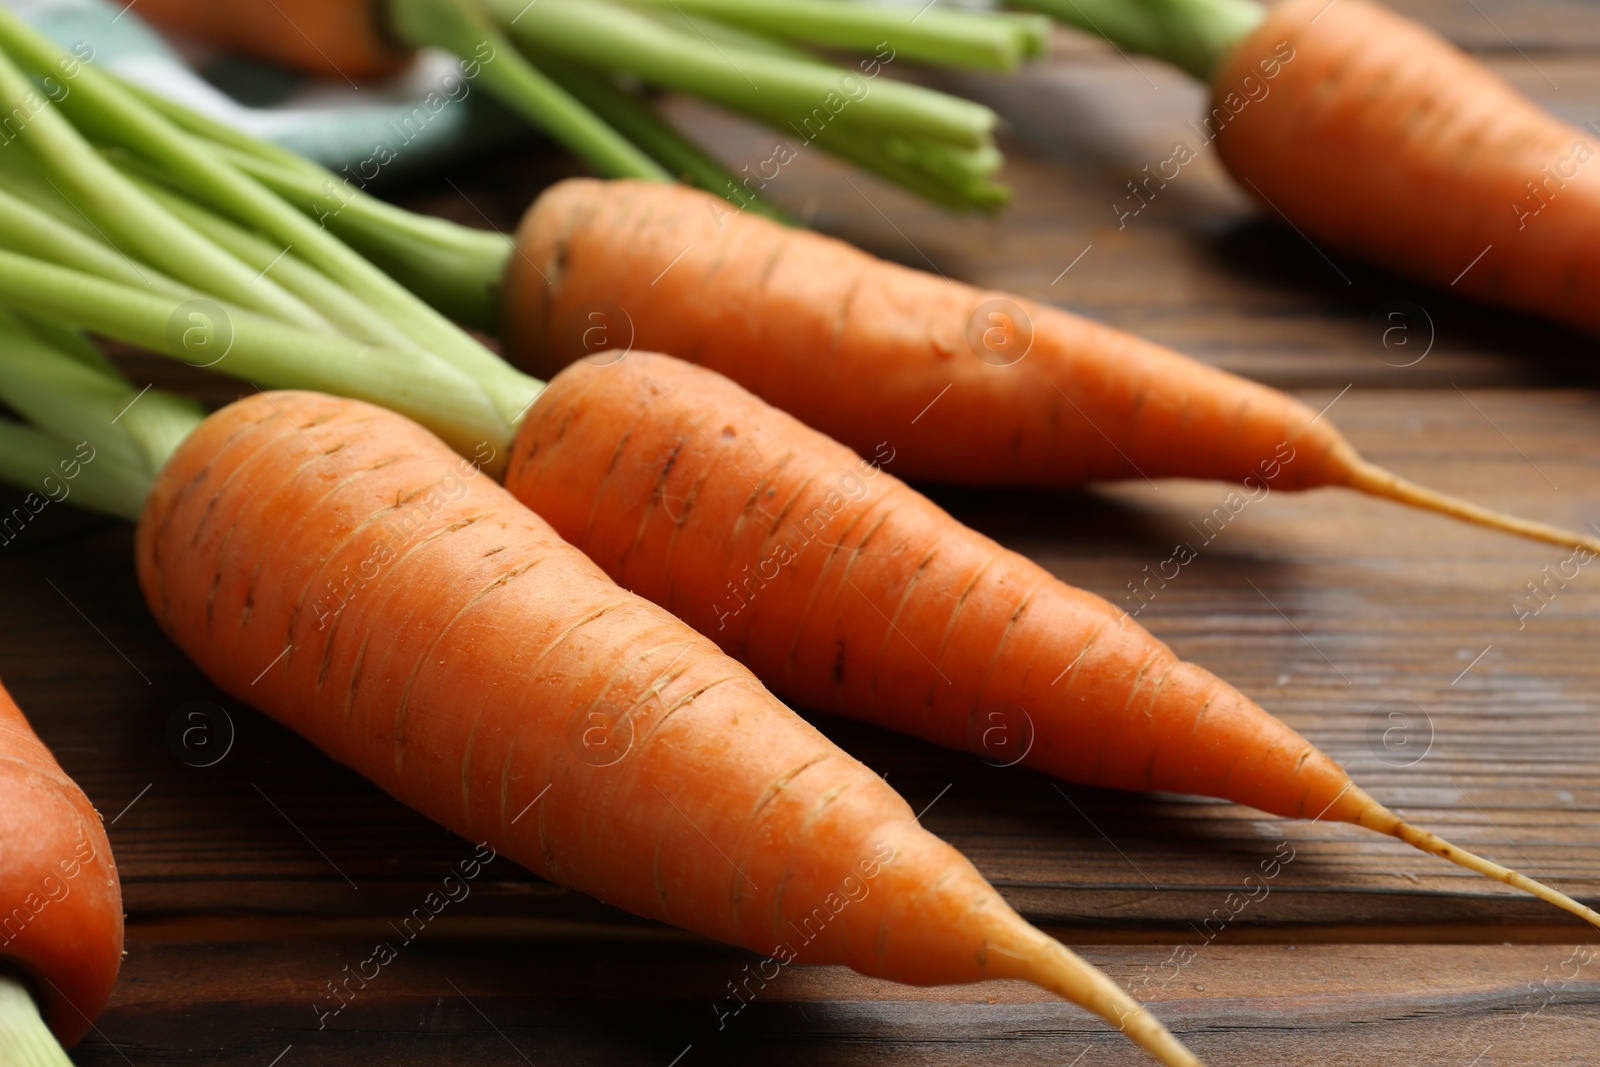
60	901
422	627
847	591
1378	136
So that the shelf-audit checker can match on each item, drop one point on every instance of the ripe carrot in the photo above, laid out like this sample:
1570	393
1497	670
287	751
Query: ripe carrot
847	591
334	38
982	388
1371	133
1153	722
60	901
1382	138
419	625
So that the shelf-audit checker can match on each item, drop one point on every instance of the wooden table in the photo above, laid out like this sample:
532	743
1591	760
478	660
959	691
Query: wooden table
1386	636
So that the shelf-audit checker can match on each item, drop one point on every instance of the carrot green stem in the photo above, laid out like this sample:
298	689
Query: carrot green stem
454	268
116	208
135	430
1196	35
25	228
354	318
636	120
24	1036
462	410
605	35
487	55
110	113
69	342
930	35
40	464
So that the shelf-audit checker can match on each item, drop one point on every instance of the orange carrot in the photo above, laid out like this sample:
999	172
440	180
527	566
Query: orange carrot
1380	137
335	38
975	387
419	625
847	591
60	901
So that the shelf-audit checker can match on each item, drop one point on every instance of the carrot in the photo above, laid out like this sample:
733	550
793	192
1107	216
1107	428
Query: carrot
981	388
1382	138
60	901
956	637
334	38
420	626
1370	133
847	591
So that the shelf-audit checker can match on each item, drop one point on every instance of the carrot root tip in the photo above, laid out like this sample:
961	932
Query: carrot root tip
1437	846
1374	480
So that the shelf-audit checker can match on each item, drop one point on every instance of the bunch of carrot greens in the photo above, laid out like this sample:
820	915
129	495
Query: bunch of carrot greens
575	69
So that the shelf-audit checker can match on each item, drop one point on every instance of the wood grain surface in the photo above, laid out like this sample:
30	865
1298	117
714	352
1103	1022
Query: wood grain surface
1387	636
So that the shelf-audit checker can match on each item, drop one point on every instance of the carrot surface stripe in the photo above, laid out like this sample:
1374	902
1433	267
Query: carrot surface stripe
847	591
60	901
979	387
419	625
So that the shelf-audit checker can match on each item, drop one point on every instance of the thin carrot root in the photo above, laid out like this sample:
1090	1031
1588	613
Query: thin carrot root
1374	480
1435	845
1050	965
1369	813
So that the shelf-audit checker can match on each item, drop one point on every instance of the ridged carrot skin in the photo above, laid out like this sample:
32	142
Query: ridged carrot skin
971	386
60	900
335	38
419	625
1381	138
865	350
847	591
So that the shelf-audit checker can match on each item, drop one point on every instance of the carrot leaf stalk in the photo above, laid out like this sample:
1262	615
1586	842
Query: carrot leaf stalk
1194	35
635	119
950	38
104	110
75	402
609	36
269	353
115	207
27	1041
461	30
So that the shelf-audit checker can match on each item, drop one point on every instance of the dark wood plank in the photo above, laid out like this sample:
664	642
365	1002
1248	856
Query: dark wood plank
1287	1005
